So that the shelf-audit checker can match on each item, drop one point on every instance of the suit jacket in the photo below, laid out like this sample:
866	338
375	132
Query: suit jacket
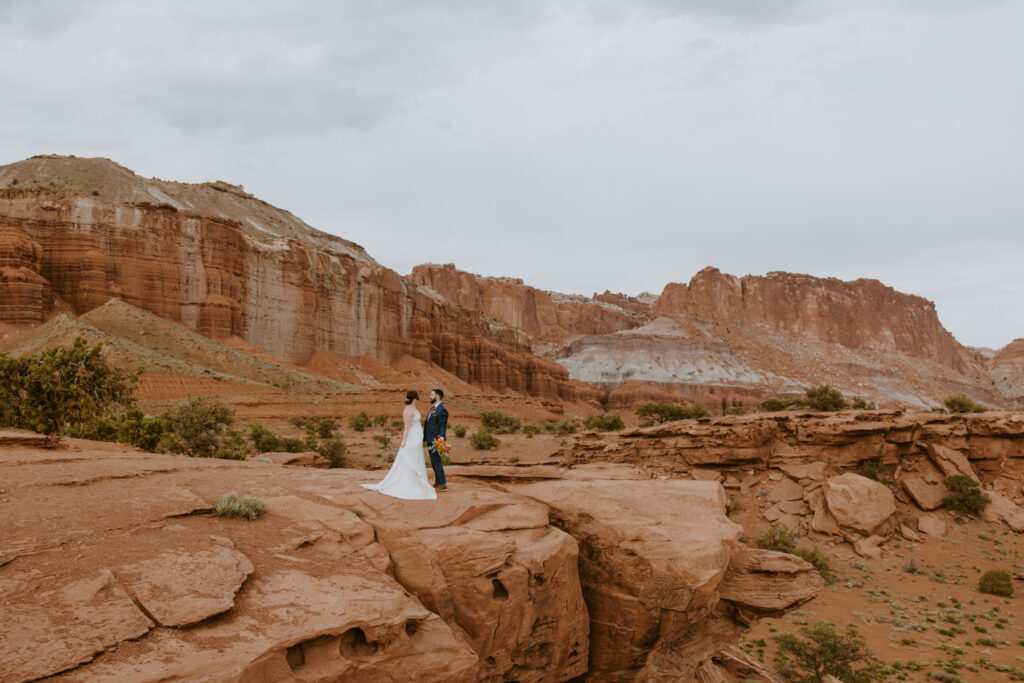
436	424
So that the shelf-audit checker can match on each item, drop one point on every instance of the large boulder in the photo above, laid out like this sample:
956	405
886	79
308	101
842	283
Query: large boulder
653	555
1002	510
949	461
926	494
765	582
860	506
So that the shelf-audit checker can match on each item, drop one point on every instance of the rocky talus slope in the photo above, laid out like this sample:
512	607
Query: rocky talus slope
113	569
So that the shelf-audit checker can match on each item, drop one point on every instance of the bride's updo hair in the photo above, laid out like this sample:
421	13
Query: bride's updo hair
411	395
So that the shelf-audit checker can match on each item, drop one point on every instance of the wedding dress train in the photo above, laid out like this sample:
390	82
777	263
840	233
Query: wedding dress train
407	477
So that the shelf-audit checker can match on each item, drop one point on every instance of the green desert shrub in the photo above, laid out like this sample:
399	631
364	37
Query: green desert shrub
784	540
660	413
961	403
825	397
483	440
774	405
359	423
320	427
996	582
873	469
244	507
825	652
965	496
530	431
499	422
264	440
460	430
563	427
380	420
735	410
61	386
861	404
334	450
604	422
199	427
388	432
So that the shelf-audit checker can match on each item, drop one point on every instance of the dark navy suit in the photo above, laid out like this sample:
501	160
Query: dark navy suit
435	426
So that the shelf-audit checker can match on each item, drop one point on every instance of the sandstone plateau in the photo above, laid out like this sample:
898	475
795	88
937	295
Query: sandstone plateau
77	233
113	569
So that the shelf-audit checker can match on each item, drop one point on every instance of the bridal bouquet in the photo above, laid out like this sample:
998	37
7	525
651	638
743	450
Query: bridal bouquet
441	446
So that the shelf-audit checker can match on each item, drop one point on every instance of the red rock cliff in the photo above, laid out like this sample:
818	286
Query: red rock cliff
858	314
544	316
76	232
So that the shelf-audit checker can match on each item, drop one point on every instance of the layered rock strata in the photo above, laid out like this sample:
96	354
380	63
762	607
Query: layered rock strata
222	263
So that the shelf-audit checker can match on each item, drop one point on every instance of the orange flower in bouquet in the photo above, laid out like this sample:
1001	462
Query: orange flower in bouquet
442	446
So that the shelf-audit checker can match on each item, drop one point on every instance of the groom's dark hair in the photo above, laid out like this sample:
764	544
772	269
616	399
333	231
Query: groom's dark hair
440	393
411	395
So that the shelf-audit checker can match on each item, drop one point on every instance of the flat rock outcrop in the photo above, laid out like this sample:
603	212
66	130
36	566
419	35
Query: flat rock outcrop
112	559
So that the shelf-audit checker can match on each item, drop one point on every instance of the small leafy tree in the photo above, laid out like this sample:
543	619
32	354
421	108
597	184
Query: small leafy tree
604	422
60	385
965	496
961	403
825	397
825	652
460	430
997	582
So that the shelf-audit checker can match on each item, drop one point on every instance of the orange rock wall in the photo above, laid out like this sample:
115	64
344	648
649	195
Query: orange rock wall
858	314
526	308
289	298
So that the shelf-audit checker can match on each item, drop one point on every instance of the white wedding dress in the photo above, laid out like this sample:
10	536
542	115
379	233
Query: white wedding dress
407	477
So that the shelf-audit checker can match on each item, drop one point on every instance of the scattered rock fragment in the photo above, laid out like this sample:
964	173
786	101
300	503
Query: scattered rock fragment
1002	510
932	525
927	495
951	462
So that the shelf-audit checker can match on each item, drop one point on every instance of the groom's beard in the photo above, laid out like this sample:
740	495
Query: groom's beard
433	401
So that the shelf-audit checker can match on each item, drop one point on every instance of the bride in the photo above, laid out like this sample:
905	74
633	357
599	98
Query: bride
407	477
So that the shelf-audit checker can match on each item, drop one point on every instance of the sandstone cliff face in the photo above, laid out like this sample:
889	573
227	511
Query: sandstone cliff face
544	316
224	264
858	314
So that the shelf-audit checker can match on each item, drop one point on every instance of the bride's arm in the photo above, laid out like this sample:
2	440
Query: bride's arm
407	415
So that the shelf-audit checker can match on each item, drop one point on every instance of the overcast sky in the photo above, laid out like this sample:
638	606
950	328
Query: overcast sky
581	146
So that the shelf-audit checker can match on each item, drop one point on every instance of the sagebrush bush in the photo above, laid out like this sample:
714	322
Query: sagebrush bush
264	440
825	397
563	427
604	422
861	404
245	507
198	427
825	652
735	410
460	430
965	496
499	423
530	431
483	440
773	405
334	450
359	423
669	412
996	582
961	403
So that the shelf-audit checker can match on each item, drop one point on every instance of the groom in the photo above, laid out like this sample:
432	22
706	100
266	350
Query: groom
433	427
